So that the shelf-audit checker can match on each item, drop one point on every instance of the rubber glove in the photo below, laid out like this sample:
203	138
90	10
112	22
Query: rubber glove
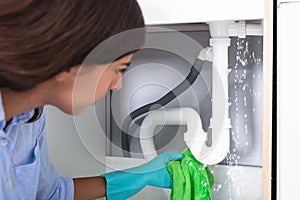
123	184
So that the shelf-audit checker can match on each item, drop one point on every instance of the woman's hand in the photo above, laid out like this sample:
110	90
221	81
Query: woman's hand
125	183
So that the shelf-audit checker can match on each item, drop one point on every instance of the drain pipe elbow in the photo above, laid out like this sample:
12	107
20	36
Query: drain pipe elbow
195	137
220	121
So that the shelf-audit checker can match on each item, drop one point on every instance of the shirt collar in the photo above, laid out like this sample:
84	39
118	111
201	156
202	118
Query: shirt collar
2	114
21	118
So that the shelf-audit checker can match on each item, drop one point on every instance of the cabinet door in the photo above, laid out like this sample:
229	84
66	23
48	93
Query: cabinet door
195	11
288	100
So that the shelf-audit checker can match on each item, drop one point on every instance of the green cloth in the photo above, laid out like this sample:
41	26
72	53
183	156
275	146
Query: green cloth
191	179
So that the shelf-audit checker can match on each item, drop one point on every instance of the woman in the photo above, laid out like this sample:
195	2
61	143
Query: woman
63	53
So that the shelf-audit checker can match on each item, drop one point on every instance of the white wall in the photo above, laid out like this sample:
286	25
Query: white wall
67	143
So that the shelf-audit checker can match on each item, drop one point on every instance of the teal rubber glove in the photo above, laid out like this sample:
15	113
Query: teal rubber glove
123	184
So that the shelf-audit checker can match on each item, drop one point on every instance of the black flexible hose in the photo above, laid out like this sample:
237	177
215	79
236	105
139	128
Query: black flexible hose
178	90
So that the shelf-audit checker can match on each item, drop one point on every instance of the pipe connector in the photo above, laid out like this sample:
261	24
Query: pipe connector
241	29
219	29
220	42
195	137
206	54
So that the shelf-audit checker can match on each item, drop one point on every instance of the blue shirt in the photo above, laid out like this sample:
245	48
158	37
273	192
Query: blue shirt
25	169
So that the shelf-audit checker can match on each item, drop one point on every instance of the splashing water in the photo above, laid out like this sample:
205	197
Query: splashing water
242	111
240	105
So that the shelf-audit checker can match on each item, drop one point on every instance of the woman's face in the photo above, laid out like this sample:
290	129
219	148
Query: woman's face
84	86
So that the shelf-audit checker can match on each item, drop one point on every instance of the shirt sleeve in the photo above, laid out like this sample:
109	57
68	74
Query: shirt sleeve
51	186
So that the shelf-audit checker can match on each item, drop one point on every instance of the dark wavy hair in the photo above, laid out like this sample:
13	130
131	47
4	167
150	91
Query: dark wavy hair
41	38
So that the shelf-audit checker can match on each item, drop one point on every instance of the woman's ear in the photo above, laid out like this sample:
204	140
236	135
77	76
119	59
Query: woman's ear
67	74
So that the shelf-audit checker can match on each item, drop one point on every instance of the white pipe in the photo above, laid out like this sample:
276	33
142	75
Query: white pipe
205	54
195	137
220	122
234	29
241	29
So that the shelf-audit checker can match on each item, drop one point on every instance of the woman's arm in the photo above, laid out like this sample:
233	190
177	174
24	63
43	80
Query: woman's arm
89	188
125	183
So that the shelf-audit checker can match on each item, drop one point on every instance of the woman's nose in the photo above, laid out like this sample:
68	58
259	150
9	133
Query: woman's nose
117	84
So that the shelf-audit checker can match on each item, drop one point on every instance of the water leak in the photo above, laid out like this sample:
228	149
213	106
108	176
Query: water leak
242	110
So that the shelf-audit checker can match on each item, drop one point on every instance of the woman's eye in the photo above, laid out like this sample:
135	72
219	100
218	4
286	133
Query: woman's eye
123	70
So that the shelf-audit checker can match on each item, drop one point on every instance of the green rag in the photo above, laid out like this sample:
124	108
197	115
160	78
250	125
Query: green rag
191	179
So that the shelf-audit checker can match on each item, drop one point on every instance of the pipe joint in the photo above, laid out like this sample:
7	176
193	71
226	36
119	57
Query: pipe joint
241	29
214	42
206	54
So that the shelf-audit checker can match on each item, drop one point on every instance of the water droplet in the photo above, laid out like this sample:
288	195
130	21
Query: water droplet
244	87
